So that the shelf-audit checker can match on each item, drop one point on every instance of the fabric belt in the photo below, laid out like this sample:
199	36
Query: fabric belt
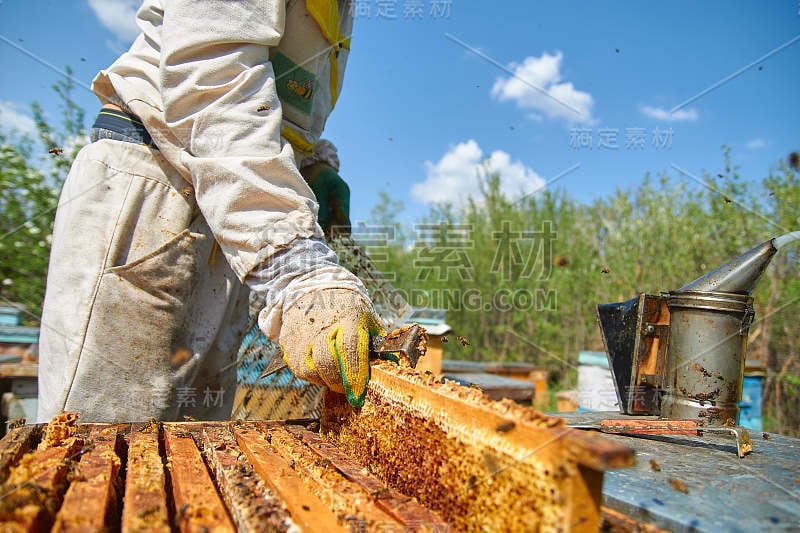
121	126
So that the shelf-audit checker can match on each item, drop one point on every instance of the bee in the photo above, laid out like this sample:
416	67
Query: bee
56	150
505	427
322	463
14	424
605	270
150	425
655	466
189	418
382	493
766	436
678	485
179	357
183	512
445	340
302	90
727	200
463	341
264	107
794	160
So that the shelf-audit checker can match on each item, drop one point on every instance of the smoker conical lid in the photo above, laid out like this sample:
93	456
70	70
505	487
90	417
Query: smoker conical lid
739	275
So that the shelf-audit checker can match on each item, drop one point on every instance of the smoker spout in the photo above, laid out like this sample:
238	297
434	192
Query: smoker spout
739	275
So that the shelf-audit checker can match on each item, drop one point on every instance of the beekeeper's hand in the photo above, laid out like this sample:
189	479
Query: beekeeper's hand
325	340
320	315
333	198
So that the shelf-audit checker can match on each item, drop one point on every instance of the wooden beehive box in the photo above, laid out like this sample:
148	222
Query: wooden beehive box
433	457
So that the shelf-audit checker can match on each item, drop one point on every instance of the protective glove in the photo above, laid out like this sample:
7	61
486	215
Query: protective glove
320	314
325	340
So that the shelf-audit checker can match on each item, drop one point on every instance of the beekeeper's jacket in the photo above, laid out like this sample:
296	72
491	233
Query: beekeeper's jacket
211	81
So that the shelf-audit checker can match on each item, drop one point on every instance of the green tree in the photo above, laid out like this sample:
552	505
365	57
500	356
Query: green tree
30	182
777	299
653	237
27	205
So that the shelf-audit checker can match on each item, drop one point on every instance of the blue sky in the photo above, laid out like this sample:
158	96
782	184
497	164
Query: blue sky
584	97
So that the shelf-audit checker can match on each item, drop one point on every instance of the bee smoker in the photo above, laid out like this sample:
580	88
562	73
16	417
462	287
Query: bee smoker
680	354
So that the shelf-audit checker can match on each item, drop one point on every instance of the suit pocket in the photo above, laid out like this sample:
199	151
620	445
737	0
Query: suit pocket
165	275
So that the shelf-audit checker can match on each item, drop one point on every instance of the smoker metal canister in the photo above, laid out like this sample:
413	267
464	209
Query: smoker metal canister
706	355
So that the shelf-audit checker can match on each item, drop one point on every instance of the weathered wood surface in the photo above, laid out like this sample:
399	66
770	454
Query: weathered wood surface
616	522
19	370
18	442
253	506
198	506
91	500
307	510
31	493
145	506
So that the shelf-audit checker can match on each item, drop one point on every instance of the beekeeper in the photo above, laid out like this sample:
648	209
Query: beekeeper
321	172
188	196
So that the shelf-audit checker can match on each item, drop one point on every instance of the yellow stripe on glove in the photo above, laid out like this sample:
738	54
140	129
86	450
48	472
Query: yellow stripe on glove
325	340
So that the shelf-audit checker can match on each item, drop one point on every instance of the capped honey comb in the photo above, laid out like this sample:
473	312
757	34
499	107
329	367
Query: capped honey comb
482	465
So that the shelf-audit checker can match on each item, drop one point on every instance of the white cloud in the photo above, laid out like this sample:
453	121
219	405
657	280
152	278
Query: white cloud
756	144
455	177
12	119
537	84
118	16
659	113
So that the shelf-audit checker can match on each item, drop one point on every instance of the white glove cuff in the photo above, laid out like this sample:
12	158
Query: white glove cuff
307	265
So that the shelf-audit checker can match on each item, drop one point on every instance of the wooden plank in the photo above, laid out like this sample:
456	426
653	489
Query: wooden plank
198	507
480	464
405	510
760	492
19	370
495	386
307	510
145	502
253	506
90	503
616	522
33	491
15	444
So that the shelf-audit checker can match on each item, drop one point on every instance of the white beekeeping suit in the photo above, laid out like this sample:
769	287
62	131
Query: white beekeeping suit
163	222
